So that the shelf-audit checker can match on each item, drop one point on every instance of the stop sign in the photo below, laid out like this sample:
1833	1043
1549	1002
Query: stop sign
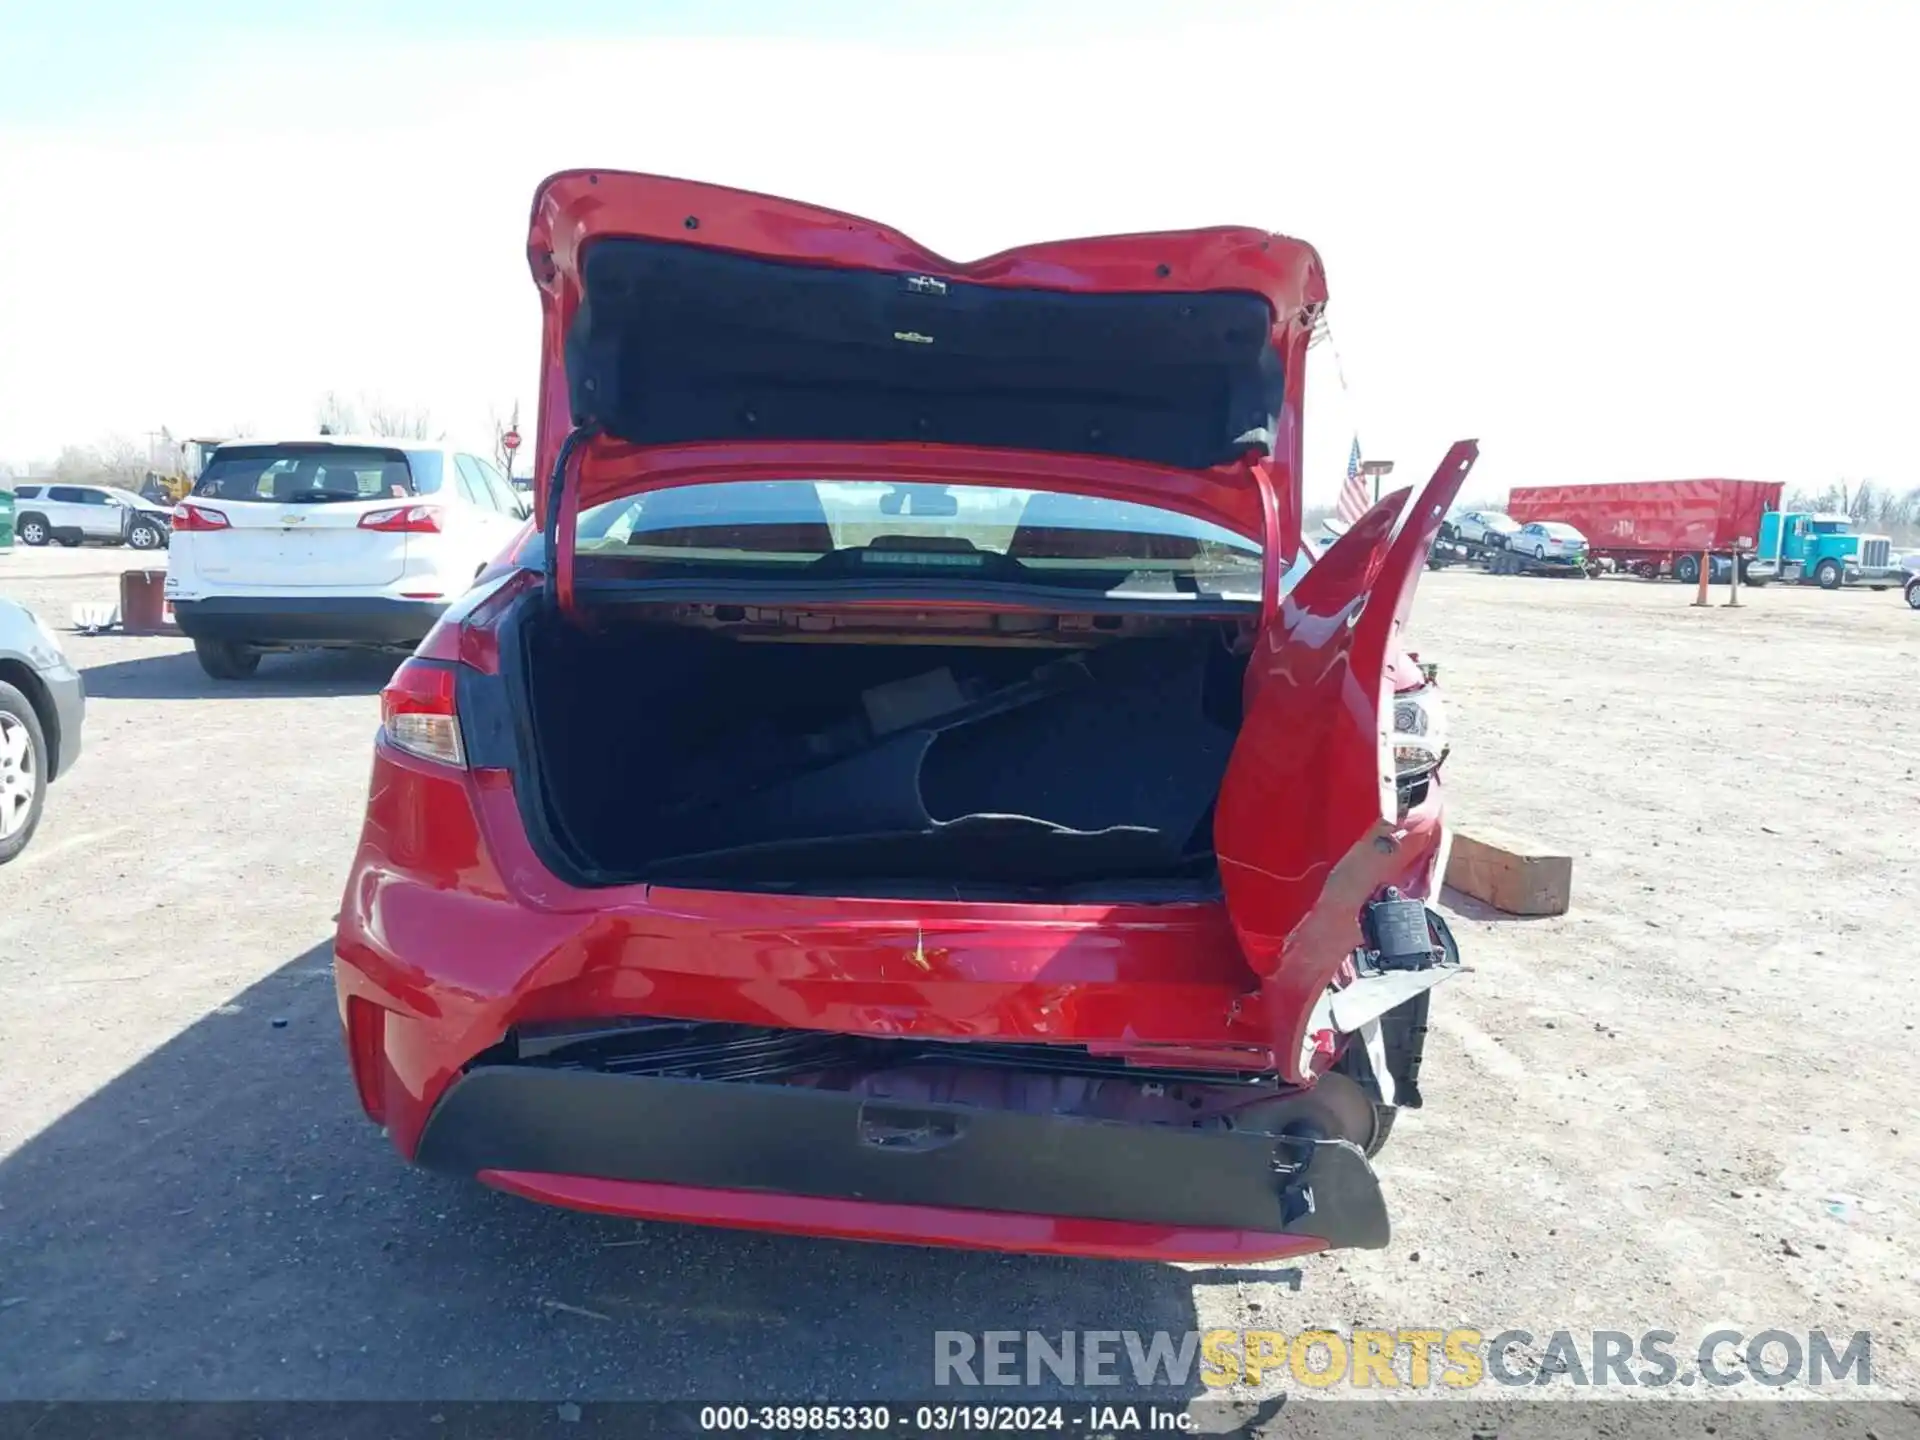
511	440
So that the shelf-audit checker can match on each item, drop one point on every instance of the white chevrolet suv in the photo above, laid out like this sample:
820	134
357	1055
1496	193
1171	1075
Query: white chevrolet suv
335	541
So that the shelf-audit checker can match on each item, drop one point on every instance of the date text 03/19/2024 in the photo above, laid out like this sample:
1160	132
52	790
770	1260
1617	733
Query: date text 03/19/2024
945	1419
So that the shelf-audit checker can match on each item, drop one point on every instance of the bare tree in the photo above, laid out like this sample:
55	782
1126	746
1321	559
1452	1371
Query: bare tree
122	462
402	422
372	415
336	415
76	462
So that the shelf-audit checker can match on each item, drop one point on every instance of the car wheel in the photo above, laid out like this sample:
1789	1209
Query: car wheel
23	771
226	659
1827	573
1913	593
1539	552
33	530
145	535
1687	569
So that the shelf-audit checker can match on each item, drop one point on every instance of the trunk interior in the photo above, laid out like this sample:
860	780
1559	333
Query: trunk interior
867	763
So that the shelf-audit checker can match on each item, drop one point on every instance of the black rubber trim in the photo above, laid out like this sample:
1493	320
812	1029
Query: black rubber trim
319	620
1047	599
802	1141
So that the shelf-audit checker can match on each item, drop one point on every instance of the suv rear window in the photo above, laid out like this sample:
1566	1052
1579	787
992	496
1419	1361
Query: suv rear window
317	474
870	529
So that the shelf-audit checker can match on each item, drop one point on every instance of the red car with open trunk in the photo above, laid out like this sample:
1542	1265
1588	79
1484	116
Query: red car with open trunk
911	785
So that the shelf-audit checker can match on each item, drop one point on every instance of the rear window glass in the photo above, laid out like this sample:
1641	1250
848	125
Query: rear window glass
317	474
871	530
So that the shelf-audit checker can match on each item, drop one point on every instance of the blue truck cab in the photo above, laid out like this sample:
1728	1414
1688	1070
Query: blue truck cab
1816	548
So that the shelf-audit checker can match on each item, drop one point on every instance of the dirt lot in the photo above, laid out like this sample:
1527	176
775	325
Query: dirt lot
1687	1104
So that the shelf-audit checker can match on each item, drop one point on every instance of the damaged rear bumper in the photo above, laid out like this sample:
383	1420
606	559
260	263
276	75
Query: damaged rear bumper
826	1162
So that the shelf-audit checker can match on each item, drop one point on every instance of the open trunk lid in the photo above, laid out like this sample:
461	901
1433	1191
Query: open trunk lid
680	314
695	333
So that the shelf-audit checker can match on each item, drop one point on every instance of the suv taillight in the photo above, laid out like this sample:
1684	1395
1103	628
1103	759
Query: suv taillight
197	519
418	714
403	520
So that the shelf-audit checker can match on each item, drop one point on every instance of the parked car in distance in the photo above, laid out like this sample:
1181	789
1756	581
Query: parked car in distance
89	514
1549	540
42	706
973	843
1910	568
332	541
1482	527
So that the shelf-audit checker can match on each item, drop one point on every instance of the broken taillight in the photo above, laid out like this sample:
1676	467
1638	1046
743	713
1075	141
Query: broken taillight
1419	731
418	713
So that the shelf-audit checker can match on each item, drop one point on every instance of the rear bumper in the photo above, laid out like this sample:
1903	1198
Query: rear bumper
818	1161
303	620
452	935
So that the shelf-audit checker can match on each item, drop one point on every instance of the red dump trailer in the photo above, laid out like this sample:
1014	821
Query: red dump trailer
1655	527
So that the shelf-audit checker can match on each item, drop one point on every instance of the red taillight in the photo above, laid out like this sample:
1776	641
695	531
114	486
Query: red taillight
403	520
197	519
418	713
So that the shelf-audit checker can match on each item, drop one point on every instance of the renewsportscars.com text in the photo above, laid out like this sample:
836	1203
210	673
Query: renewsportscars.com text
1406	1359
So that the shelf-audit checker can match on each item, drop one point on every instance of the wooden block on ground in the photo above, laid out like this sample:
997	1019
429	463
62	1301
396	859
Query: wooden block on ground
1515	876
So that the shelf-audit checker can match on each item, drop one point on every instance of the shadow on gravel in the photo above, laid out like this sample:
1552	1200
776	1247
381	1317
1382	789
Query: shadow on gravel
293	675
1463	904
221	1222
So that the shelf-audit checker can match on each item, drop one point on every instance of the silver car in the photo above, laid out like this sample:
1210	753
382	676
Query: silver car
1484	527
89	514
1549	540
43	703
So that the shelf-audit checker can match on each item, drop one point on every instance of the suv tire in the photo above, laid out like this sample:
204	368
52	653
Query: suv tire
226	659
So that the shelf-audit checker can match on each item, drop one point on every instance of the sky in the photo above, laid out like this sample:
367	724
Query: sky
1611	241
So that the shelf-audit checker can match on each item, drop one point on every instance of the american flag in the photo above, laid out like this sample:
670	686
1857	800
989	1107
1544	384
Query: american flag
1354	500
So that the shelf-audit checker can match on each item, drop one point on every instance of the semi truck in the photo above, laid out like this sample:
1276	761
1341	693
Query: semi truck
1818	548
1655	528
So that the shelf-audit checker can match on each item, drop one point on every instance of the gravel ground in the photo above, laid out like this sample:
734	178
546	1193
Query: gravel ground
1679	1107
